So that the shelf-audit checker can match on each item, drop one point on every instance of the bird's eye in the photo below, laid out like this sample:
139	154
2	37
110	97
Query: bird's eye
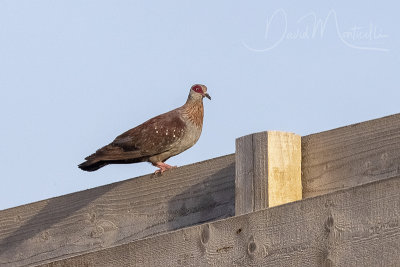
197	89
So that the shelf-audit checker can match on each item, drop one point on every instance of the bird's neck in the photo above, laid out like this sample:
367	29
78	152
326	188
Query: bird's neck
193	110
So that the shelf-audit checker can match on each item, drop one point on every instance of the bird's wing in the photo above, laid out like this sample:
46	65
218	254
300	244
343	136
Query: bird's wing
153	137
112	153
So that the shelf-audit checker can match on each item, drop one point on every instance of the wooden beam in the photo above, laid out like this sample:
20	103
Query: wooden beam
117	213
359	226
268	170
351	155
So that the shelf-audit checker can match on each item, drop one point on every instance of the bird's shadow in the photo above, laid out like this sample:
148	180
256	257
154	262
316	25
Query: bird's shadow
211	199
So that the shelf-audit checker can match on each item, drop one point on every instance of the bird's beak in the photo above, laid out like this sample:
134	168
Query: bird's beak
207	95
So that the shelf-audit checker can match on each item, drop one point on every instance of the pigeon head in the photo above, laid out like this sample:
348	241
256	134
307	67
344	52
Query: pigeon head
198	92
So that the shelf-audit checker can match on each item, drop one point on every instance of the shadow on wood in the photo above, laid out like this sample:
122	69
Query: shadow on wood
211	199
54	211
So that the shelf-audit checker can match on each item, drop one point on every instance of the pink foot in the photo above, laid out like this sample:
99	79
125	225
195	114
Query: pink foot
163	167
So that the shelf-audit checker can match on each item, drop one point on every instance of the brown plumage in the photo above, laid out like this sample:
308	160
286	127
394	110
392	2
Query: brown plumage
157	139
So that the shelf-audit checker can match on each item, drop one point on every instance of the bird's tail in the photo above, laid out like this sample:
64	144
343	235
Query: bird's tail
94	161
92	165
109	154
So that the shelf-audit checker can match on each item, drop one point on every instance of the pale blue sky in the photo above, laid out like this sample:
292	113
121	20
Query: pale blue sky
75	74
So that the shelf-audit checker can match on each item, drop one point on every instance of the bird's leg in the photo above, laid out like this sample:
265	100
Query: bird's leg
163	167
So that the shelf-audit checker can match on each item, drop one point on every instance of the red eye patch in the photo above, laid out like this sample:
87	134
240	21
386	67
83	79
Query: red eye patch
197	89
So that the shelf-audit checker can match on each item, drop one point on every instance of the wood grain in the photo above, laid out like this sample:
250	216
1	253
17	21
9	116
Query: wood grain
244	182
351	155
268	170
117	213
284	168
359	226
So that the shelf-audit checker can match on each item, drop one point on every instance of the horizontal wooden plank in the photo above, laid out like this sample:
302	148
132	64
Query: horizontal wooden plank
117	213
359	226
351	155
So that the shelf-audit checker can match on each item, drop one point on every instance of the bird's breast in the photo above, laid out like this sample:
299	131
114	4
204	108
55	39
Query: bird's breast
191	133
194	114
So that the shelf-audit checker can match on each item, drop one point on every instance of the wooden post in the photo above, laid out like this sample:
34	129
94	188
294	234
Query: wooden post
268	170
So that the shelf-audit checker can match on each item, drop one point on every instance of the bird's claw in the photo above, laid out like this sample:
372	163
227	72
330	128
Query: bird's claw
160	171
163	167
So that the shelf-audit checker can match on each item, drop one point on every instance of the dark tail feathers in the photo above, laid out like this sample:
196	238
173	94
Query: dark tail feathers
90	166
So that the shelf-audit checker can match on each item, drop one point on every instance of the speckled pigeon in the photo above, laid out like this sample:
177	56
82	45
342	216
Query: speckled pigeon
157	139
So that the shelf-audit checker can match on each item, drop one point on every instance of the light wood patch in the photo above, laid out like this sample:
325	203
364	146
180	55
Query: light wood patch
268	170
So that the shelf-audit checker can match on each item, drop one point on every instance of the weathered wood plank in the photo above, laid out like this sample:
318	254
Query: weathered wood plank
244	182
351	155
268	170
359	226
117	213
